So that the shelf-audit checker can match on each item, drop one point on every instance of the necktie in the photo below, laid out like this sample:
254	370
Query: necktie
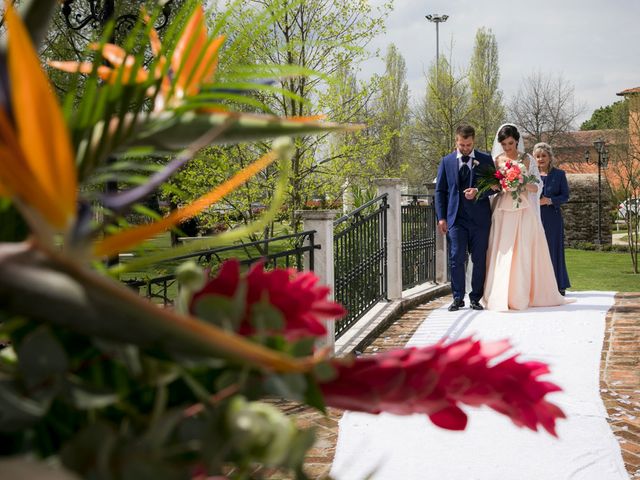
465	172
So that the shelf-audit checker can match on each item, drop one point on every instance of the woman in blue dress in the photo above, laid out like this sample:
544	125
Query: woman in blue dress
555	192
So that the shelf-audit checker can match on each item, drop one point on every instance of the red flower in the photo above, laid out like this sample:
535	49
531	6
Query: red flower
303	303
436	379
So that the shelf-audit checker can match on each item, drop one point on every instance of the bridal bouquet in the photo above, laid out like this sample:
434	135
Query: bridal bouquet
511	177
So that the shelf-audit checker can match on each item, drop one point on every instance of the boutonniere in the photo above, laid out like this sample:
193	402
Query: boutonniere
475	163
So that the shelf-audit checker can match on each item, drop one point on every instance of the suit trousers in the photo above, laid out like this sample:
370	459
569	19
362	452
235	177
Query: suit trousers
468	237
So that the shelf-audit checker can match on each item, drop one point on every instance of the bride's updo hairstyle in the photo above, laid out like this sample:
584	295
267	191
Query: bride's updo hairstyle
508	131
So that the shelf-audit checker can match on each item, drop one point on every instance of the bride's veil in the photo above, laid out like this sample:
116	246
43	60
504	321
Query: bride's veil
497	149
534	197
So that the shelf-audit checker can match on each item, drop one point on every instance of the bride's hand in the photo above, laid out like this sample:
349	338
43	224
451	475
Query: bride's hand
532	188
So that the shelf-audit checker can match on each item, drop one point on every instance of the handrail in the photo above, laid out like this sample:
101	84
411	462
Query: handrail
359	209
304	246
228	248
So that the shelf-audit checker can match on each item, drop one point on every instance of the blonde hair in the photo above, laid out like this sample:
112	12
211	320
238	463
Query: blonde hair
545	147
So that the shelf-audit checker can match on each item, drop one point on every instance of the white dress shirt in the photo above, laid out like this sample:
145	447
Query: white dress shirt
469	163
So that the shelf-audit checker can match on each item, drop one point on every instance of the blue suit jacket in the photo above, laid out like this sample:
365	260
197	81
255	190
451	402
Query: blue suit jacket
447	190
556	187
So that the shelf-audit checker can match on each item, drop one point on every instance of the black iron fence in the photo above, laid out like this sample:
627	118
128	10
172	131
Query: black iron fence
284	251
418	240
360	260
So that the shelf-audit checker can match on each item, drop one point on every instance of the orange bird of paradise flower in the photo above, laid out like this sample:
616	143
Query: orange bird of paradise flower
194	62
38	170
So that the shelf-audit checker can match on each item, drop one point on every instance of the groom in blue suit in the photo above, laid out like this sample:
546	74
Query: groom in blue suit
465	220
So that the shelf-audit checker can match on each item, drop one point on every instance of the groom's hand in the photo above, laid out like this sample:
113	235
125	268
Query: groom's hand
442	226
470	193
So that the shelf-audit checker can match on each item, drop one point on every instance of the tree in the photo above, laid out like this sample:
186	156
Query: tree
445	106
311	34
213	165
625	171
615	115
352	159
545	106
301	36
392	105
487	110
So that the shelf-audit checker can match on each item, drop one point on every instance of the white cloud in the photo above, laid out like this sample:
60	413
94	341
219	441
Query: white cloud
594	44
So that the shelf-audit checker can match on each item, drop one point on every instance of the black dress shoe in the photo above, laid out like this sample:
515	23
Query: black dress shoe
475	305
562	292
456	305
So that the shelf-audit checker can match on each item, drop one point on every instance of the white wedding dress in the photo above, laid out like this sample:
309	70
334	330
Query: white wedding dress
519	269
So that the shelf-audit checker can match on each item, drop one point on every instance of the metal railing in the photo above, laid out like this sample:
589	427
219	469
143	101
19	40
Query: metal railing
360	260
418	240
163	289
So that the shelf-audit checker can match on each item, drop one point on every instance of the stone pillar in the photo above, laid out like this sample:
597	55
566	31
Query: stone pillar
442	254
322	222
392	186
442	257
431	191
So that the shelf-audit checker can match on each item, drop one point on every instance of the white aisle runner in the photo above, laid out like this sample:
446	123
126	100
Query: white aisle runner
569	338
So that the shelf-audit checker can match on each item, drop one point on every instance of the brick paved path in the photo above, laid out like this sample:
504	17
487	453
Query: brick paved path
619	380
620	376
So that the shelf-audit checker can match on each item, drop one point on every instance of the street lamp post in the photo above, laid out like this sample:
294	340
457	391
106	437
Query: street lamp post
603	160
437	19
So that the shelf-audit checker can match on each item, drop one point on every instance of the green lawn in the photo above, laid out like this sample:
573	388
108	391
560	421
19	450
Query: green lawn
591	270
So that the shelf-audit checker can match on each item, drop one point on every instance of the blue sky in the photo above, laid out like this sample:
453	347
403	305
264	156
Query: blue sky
594	44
